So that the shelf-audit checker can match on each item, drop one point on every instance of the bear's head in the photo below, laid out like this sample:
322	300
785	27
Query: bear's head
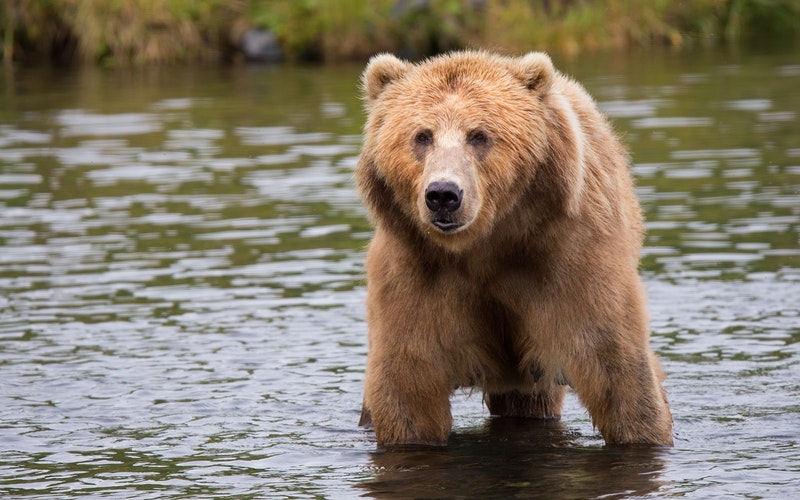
462	143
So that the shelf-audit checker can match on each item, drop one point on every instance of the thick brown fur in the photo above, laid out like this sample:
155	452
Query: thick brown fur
537	287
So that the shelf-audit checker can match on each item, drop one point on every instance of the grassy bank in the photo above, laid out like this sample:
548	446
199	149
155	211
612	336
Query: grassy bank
154	31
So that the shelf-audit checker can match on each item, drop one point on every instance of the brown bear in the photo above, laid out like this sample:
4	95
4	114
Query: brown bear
505	253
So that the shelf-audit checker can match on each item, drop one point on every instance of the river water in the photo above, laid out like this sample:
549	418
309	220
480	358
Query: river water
181	257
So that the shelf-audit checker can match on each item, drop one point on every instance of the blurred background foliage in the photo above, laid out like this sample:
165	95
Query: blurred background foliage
124	32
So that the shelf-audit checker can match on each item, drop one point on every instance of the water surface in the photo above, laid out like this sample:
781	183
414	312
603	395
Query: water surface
181	256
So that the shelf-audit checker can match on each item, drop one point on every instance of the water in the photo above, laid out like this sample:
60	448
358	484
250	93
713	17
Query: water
182	294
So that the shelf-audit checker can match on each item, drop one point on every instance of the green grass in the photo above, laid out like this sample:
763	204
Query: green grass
123	32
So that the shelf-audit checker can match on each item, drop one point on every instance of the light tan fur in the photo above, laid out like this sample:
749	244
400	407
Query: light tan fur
537	286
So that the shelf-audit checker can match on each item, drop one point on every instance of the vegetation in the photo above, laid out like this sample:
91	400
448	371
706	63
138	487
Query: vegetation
157	31
117	31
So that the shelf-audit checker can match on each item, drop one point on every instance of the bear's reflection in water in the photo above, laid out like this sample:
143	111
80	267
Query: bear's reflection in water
516	458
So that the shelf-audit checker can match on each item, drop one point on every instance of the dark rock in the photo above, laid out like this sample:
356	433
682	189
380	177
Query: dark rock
261	46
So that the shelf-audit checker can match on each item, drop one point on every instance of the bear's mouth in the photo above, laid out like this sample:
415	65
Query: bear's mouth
445	225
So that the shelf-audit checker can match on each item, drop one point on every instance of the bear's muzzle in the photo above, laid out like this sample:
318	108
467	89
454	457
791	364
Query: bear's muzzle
443	199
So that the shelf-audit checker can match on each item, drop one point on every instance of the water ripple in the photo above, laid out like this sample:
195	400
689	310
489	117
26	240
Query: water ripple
182	295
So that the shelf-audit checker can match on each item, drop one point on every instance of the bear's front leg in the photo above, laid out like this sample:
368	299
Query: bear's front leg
620	385
407	400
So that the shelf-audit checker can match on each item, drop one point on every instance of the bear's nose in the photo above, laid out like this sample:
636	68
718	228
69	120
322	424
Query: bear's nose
443	196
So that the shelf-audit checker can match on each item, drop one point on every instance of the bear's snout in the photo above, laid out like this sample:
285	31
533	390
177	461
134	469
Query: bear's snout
443	196
443	199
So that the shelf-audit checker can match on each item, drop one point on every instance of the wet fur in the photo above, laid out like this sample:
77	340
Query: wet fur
538	289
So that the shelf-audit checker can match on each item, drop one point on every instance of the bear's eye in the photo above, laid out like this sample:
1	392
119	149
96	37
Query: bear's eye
424	138
477	138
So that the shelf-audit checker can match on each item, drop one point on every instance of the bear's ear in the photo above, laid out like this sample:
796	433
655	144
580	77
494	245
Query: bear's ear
381	71
535	70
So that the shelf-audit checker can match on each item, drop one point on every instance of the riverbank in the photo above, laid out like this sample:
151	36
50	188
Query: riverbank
184	31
